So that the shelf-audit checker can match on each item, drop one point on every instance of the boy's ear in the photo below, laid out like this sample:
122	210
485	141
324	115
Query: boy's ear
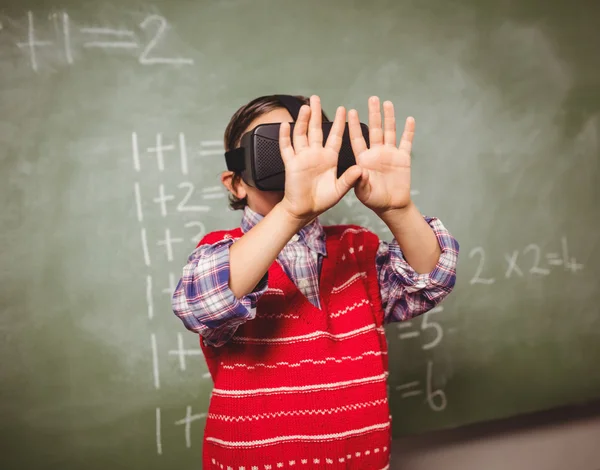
233	183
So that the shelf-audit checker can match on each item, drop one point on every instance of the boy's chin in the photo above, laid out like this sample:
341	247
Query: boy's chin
263	201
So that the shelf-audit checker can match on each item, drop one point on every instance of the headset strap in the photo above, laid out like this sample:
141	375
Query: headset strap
235	160
292	104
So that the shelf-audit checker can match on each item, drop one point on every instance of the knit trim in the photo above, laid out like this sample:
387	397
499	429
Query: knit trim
302	462
299	438
274	291
281	414
300	388
308	337
353	230
349	308
277	315
349	282
315	362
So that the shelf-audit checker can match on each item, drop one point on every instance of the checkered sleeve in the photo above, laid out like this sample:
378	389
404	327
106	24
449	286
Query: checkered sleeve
406	293
203	300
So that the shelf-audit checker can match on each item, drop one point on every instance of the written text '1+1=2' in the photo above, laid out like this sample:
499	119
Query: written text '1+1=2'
55	40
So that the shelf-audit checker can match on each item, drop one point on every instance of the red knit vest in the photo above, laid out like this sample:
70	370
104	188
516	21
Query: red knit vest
300	387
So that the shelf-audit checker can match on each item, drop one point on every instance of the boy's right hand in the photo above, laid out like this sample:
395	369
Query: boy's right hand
311	182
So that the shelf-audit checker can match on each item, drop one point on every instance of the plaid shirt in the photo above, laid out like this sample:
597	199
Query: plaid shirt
206	305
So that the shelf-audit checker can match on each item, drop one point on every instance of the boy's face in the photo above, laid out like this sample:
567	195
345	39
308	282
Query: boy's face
259	201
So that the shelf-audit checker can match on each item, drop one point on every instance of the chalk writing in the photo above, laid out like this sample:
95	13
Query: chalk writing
32	42
149	297
199	235
168	242
145	246
210	147
155	370
528	261
477	279
159	151
104	38
213	192
158	432
162	199
427	327
161	28
182	352
187	424
171	287
435	398
183	205
138	201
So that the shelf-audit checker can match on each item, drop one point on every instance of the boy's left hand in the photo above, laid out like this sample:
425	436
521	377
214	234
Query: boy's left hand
385	181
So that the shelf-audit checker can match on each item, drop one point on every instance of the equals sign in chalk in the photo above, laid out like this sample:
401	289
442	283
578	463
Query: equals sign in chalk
406	389
104	44
408	334
554	259
213	192
211	147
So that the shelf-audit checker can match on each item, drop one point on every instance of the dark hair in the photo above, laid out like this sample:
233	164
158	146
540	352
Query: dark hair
238	124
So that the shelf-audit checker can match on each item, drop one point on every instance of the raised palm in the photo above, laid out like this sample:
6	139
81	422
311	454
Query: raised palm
385	181
311	182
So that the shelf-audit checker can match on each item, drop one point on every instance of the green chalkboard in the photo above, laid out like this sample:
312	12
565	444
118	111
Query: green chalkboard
110	151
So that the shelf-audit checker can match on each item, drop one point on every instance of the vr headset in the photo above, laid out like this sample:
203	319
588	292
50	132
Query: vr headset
259	160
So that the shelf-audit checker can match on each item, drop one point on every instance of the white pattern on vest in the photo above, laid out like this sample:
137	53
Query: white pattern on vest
354	231
308	337
279	414
300	388
300	438
349	308
349	282
273	291
315	362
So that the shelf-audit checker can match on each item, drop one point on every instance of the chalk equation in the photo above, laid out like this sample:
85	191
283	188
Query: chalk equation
528	261
184	197
155	155
162	148
430	333
173	349
428	328
434	397
158	154
55	39
185	422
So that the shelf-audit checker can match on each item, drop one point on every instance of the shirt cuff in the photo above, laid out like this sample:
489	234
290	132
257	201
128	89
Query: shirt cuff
443	275
218	311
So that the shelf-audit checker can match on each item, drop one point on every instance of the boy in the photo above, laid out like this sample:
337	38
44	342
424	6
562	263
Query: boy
291	313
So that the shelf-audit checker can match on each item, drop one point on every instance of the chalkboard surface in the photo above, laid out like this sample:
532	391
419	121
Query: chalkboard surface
110	150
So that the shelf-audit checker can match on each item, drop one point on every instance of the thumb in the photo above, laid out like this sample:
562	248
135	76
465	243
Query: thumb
348	179
362	189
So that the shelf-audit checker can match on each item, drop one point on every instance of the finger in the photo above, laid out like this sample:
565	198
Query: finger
362	187
357	140
375	130
334	141
285	142
407	136
389	130
300	128
315	131
348	179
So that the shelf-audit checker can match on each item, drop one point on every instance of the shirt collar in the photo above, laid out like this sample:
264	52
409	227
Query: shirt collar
312	235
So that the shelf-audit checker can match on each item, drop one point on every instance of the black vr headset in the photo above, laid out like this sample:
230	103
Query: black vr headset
259	160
